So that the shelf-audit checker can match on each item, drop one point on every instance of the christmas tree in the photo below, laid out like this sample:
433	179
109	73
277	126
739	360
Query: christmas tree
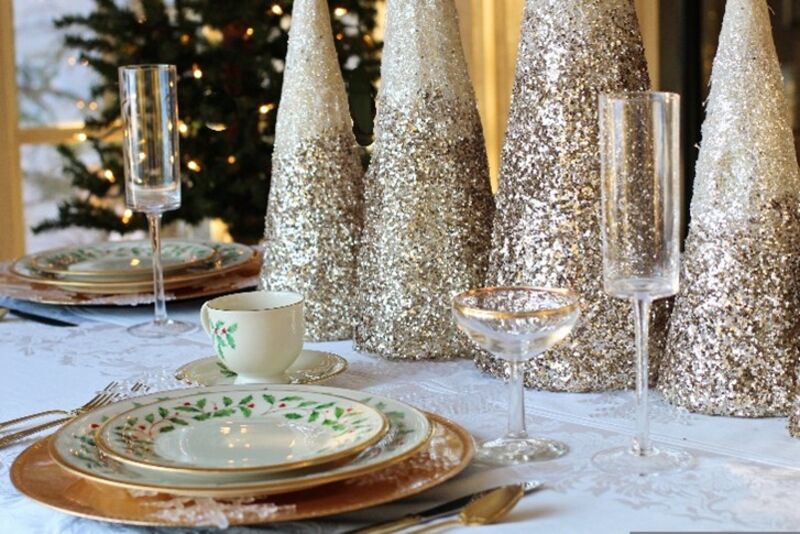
230	62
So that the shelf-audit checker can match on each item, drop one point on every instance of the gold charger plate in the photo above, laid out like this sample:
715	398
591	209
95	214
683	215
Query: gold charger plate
14	286
238	257
38	477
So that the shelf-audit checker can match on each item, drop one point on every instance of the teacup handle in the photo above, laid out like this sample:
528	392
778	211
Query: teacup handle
204	319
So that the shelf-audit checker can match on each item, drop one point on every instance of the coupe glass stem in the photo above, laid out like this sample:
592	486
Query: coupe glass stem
641	312
516	399
154	221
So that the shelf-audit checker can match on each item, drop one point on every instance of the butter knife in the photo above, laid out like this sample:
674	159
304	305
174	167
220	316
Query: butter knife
432	514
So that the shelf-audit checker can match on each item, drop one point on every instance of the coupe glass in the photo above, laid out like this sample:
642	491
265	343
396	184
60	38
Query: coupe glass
641	226
516	324
149	105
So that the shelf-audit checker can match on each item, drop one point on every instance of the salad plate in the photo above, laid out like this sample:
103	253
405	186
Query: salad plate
311	366
262	431
74	448
119	260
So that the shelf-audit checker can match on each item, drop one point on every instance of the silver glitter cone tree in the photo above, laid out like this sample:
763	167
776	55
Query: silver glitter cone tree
547	225
428	203
314	212
733	341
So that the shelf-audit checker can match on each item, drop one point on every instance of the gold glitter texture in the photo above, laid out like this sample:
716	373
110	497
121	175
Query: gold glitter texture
315	208
547	225
428	203
733	341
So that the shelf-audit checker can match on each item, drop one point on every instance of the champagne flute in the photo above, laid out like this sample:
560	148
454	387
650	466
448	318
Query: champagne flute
516	324
149	105
641	214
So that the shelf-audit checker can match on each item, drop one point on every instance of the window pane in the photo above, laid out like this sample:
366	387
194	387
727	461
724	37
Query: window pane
53	85
43	188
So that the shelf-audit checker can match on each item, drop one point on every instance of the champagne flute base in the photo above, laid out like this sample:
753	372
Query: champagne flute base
511	451
625	461
160	329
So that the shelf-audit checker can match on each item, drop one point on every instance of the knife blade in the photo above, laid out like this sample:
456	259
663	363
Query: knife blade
432	514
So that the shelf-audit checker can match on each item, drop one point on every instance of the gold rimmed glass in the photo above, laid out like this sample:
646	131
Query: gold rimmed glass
516	324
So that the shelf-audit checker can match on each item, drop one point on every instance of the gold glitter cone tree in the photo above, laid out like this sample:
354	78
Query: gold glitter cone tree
733	341
428	203
547	227
314	213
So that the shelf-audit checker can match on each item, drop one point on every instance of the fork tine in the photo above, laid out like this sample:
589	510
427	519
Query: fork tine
101	400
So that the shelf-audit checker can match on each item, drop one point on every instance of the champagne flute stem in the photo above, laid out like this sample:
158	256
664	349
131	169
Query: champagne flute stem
516	401
641	313
154	221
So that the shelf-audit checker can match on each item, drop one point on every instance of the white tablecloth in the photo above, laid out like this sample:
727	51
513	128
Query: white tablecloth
747	475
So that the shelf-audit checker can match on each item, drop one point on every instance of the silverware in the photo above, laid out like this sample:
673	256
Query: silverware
485	510
100	400
438	512
34	317
94	402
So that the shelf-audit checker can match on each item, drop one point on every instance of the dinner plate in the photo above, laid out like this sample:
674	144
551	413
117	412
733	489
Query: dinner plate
38	477
310	367
119	260
262	431
230	256
74	448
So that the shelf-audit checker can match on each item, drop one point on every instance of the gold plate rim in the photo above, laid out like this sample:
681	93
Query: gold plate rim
435	479
106	448
182	372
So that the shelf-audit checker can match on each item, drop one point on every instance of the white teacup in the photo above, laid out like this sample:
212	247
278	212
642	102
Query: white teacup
258	334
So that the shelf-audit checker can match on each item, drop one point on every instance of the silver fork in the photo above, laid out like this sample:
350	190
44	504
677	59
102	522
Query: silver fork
100	400
71	413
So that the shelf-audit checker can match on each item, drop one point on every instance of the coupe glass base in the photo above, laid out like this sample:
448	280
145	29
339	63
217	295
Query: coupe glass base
624	461
512	451
159	329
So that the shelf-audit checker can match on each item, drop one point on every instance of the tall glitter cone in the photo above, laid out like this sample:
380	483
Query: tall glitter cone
428	202
547	225
315	208
733	343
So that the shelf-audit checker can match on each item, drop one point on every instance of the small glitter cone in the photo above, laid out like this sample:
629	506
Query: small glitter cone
428	202
794	417
547	225
314	214
733	341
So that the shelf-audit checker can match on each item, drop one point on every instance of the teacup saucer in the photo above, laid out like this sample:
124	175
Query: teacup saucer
311	367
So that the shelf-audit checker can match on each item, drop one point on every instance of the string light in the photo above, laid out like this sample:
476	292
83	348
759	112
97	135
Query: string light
276	10
193	165
126	216
93	105
196	72
81	137
231	159
182	128
72	61
265	108
340	11
109	175
339	36
80	104
185	38
249	32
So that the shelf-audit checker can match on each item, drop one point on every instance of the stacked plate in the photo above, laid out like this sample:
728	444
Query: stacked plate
295	451
125	268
